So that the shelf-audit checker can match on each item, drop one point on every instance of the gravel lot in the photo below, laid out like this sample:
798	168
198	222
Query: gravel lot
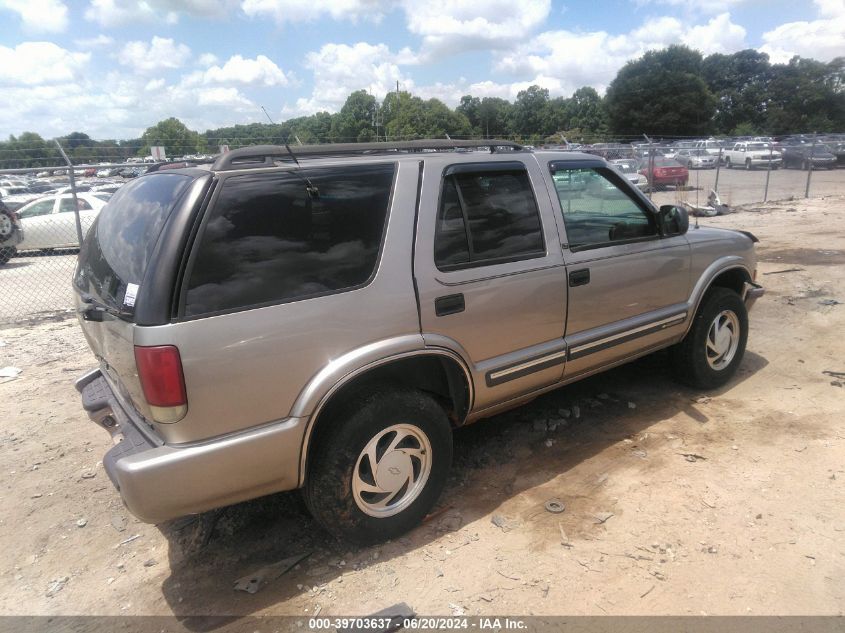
677	501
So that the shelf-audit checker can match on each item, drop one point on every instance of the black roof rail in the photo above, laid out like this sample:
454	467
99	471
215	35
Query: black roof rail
266	155
179	164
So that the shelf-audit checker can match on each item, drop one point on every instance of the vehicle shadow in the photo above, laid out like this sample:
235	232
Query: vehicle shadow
15	263
210	552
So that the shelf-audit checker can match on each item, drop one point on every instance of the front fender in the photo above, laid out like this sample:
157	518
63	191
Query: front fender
705	280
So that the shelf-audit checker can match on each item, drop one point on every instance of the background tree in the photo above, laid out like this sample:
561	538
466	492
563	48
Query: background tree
176	138
662	93
470	107
739	83
586	112
494	115
356	119
806	95
529	115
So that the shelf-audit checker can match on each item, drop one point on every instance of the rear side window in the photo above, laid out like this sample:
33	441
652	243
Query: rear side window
486	217
121	241
270	238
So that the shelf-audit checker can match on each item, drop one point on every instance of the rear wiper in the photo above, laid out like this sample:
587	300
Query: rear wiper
95	309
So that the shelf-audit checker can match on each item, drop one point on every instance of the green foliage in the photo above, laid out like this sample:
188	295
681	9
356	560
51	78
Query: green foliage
176	138
806	96
662	93
671	92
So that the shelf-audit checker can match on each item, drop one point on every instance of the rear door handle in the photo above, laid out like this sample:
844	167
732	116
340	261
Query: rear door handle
450	304
579	277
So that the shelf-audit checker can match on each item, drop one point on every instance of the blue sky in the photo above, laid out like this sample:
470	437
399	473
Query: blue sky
112	68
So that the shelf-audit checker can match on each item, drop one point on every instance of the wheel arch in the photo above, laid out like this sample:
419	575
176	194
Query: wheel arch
730	272
440	372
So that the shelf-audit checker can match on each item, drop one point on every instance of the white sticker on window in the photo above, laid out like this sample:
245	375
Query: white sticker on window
131	293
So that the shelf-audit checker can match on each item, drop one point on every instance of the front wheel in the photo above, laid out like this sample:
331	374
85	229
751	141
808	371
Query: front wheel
712	350
380	463
747	164
728	163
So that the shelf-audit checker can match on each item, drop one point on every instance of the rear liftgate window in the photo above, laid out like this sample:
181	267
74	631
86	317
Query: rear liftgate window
121	241
271	238
486	217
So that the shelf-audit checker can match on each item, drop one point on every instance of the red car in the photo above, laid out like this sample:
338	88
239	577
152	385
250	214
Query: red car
666	172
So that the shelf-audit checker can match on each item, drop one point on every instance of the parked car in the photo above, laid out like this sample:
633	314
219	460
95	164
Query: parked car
752	154
712	146
696	159
50	222
274	335
15	197
666	171
630	168
802	156
11	233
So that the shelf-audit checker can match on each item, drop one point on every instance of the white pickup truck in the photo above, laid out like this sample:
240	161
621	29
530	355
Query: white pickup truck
752	154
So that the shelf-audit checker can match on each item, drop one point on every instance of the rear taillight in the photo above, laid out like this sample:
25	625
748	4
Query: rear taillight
160	372
659	172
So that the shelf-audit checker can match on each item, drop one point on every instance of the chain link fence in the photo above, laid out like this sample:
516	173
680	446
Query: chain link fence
45	210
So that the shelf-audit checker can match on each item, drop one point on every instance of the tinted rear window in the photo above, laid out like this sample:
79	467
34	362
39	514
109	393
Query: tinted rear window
119	245
268	240
487	218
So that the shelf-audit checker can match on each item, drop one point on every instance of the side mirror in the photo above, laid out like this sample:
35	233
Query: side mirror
674	220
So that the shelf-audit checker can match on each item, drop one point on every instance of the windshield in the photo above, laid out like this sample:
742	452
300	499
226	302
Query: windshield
121	241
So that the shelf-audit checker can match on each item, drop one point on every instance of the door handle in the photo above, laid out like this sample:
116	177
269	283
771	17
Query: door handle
450	304
579	277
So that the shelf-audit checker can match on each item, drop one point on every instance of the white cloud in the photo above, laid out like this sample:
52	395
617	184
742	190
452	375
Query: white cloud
39	63
228	97
39	16
566	60
286	11
260	71
101	41
719	35
822	39
154	85
207	59
112	13
694	7
340	69
159	53
449	27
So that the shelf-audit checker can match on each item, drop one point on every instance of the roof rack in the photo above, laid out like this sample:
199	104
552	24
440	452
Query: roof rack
266	155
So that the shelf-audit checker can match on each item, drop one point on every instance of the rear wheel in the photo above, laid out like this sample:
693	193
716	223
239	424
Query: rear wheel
7	253
712	350
379	465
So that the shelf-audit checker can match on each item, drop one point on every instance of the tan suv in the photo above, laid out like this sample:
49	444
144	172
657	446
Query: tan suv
265	323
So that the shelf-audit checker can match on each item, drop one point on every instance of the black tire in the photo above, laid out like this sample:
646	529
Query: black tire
351	426
6	254
728	163
747	164
690	356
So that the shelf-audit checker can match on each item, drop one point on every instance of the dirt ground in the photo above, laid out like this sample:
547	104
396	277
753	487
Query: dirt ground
677	501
